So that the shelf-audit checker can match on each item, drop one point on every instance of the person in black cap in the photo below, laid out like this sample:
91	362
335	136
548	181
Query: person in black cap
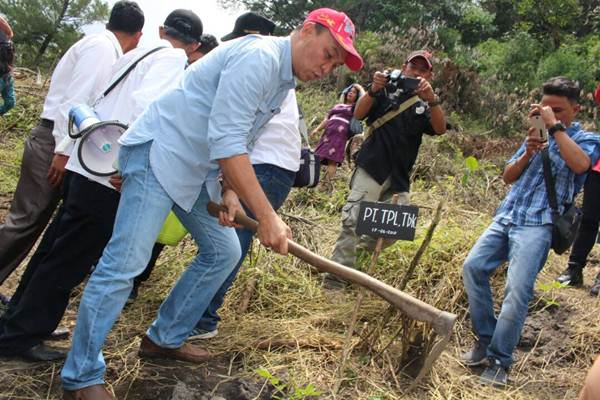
207	44
250	23
183	26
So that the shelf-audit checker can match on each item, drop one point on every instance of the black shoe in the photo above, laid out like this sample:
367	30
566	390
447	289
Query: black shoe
595	289
476	356
42	352
59	334
572	276
133	295
495	374
333	282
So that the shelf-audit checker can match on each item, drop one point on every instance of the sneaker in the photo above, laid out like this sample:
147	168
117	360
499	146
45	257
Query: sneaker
198	333
595	289
495	374
476	356
572	276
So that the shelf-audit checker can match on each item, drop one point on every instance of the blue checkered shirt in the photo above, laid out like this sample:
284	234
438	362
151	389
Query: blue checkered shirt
527	201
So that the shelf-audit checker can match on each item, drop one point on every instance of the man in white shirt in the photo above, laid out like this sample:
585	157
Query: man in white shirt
76	237
80	74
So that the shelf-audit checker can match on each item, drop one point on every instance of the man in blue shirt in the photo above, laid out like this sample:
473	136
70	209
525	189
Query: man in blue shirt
171	158
521	232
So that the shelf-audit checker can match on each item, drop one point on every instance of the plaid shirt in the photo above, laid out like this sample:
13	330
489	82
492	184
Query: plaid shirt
527	201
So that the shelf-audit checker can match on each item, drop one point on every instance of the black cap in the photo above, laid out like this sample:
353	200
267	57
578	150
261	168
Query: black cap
184	25
249	23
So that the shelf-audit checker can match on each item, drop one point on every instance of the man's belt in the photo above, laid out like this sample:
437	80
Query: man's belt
47	123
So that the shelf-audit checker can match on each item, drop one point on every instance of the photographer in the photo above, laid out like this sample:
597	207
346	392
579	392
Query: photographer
387	156
521	232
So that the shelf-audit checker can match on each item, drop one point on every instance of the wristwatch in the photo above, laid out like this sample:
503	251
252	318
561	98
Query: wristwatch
436	101
559	126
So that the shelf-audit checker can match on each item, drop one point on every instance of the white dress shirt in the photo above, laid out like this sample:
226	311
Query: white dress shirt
80	74
279	143
153	76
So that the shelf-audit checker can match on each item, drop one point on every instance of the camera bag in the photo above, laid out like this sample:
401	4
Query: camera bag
310	165
565	226
355	127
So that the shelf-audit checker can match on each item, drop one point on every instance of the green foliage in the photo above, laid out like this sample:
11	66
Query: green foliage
548	17
513	60
566	61
549	295
476	24
286	391
45	29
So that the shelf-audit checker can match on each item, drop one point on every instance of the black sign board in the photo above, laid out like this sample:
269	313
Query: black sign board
387	220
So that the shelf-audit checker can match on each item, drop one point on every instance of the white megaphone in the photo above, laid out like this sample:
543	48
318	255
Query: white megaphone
98	148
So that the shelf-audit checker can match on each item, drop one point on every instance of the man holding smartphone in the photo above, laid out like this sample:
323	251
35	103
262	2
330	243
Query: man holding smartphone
521	232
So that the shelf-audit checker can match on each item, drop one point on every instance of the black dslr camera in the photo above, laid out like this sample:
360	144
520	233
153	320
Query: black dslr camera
397	87
402	83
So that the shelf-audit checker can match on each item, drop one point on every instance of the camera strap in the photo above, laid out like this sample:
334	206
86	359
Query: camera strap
388	116
549	181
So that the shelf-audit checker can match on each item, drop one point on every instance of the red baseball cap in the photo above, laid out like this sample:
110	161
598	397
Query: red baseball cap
342	29
424	54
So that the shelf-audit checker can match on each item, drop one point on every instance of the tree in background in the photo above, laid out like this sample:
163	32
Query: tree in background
45	29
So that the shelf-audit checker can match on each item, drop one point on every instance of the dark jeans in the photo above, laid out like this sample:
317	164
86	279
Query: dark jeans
586	236
276	183
72	243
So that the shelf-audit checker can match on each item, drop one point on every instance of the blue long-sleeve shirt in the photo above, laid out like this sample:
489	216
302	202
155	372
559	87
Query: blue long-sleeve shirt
527	201
215	112
7	89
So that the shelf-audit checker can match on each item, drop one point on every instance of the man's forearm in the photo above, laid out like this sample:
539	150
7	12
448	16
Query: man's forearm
574	156
363	106
513	171
438	120
240	177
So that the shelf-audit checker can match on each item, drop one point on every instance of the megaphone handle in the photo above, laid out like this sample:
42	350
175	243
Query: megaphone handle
70	128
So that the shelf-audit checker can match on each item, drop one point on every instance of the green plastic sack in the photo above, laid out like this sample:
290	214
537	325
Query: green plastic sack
172	231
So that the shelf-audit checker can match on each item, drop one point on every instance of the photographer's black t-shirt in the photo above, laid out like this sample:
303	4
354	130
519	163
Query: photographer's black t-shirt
392	148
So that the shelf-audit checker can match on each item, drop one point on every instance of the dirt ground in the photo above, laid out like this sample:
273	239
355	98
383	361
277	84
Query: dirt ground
559	341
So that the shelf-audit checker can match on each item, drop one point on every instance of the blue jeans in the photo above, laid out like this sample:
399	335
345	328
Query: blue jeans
526	250
143	207
276	183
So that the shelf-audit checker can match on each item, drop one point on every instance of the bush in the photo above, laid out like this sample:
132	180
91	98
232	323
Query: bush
513	61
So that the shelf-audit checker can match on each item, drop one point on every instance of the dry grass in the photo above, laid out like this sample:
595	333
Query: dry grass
295	330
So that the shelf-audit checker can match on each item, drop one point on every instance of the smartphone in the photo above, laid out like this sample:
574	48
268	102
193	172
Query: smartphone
540	128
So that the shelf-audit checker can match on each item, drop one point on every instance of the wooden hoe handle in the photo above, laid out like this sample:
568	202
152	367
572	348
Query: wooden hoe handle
441	321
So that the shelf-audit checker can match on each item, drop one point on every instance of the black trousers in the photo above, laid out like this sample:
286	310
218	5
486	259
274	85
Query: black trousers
586	236
71	245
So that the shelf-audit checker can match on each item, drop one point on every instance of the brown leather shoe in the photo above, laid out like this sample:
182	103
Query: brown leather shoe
94	392
187	352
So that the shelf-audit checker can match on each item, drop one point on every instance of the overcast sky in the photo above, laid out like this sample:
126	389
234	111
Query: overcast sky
216	21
